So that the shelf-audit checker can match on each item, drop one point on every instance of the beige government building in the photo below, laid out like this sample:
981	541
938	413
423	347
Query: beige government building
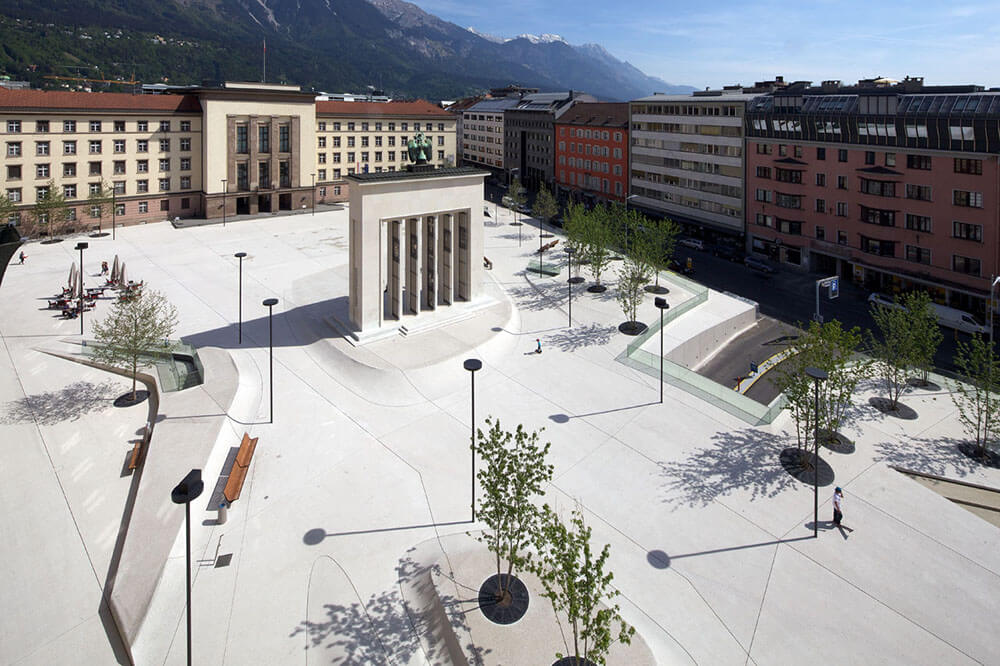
191	153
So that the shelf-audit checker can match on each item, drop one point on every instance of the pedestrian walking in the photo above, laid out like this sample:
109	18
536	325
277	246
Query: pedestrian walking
104	268
838	503
22	256
538	349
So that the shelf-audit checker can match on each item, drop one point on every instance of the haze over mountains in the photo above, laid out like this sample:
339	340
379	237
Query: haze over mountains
330	45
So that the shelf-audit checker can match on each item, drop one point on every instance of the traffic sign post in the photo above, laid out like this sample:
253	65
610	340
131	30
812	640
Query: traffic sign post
832	284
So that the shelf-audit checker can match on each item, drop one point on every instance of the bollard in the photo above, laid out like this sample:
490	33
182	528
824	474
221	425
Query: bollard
223	510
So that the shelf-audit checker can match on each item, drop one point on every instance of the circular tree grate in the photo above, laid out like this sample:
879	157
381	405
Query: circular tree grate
511	607
128	400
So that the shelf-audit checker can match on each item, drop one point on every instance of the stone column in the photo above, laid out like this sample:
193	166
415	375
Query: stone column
445	258
430	281
413	264
397	254
462	267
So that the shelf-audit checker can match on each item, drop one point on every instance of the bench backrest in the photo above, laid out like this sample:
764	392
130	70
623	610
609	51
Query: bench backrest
245	453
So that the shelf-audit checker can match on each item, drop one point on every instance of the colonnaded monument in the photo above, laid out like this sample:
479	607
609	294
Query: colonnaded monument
415	239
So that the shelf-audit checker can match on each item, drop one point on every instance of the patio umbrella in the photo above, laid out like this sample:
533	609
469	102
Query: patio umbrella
121	274
114	269
70	281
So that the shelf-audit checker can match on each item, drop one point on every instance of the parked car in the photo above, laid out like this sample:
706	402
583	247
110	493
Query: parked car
727	252
693	243
883	300
946	316
755	263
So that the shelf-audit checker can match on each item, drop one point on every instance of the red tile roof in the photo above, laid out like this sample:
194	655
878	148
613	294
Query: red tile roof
603	114
374	109
16	100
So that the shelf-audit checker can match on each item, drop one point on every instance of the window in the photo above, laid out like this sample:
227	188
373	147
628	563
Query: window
890	159
440	140
69	147
14	194
142	146
350	157
391	156
142	186
119	209
96	211
968	199
879	247
962	131
966	231
842	238
69	126
264	175
321	158
885	218
185	183
94	147
918	223
185	164
788	176
322	142
321	126
69	191
820	233
42	193
427	126
264	138
880	188
841	182
821	153
69	169
142	126
364	142
765	149
164	145
94	168
765	220
119	145
41	171
336	127
95	125
764	195
842	155
119	187
165	164
164	184
336	174
869	157
788	200
350	127
782	150
820	205
241	139
242	176
821	180
42	126
322	176
378	155
284	139
797	151
966	265
921	192
364	156
974	167
13	149
919	255
41	148
350	142
143	206
185	125
763	172
842	208
164	125
336	141
164	204
789	227
186	144
922	162
118	168
142	166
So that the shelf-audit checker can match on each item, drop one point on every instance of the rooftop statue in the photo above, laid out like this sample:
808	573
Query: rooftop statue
419	149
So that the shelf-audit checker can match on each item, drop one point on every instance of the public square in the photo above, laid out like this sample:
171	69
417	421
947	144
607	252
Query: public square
361	484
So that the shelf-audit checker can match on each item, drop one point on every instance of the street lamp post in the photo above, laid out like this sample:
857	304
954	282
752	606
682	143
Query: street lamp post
240	255
270	303
817	376
569	283
992	287
661	304
81	246
313	176
184	493
472	365
225	191
114	208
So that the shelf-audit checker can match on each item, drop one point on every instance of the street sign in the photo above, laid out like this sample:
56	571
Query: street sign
753	367
834	287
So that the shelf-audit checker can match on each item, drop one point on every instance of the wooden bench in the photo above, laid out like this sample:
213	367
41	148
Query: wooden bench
547	246
238	473
133	462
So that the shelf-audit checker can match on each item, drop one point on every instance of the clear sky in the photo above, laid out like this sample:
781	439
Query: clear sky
724	42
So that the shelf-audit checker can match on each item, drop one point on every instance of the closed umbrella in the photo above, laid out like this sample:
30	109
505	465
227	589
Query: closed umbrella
121	274
114	270
71	280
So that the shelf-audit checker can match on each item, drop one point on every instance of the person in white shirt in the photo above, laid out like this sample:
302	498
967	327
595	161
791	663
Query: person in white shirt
838	499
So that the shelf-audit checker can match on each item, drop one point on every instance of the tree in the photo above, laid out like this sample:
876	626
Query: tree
101	201
133	328
892	349
517	196
924	331
631	279
978	397
545	205
50	211
7	208
514	471
597	238
575	582
829	347
659	237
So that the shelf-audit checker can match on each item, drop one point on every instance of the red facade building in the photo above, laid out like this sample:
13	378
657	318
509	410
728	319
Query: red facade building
592	152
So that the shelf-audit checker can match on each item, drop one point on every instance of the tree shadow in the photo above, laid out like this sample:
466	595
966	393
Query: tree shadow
740	460
537	298
67	404
590	335
940	456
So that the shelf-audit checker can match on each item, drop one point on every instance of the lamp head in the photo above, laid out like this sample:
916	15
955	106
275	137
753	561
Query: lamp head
188	489
472	364
270	302
661	303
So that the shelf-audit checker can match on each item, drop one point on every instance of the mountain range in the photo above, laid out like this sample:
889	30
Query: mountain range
323	45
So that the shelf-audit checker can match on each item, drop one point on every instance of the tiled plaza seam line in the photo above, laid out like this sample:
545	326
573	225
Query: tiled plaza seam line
763	598
62	490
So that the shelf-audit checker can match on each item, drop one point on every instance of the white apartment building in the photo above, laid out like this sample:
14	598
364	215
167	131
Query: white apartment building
482	132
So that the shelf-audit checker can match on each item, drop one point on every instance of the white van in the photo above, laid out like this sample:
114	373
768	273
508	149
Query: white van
946	316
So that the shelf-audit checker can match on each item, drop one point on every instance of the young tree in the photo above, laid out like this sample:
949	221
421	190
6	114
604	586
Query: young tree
659	237
978	397
924	331
575	582
7	208
829	347
133	328
631	279
597	241
101	201
545	205
50	211
514	471
517	195
892	348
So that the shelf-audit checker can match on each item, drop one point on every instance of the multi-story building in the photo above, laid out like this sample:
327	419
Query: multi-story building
371	137
592	152
193	152
529	134
687	159
892	186
482	132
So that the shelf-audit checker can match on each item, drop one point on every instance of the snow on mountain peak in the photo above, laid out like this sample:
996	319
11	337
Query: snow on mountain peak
486	36
546	38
